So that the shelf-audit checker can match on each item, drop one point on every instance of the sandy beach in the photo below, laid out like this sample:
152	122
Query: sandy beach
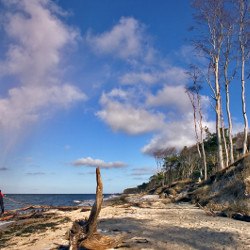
152	225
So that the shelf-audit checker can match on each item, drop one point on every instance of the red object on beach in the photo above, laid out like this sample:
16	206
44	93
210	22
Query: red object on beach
6	217
1	194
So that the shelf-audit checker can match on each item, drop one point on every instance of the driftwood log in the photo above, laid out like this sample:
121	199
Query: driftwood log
83	234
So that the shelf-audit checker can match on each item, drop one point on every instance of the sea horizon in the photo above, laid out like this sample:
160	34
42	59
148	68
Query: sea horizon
18	201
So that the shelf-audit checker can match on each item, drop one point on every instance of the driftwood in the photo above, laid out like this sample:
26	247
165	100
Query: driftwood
209	212
83	233
35	212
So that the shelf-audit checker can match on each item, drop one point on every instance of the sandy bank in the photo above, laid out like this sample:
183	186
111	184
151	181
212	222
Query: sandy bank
156	226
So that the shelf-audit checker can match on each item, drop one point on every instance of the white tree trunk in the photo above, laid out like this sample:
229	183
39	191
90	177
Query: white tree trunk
224	138
244	150
201	135
243	43
230	126
218	115
192	100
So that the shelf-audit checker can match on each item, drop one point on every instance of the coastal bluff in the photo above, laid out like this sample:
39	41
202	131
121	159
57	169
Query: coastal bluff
227	192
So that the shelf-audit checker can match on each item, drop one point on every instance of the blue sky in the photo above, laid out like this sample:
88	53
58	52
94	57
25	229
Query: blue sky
87	83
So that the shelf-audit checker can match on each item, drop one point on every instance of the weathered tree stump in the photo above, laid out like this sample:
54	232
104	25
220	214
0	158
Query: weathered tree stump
83	233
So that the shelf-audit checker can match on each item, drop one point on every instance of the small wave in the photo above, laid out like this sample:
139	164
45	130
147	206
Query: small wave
86	203
112	196
76	201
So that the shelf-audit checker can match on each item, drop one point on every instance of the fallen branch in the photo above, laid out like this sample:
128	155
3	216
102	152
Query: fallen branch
209	212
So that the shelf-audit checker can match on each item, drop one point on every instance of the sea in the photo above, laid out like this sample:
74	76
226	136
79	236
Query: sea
17	201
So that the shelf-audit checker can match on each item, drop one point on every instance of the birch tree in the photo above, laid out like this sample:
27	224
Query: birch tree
227	61
224	139
193	93
209	16
243	39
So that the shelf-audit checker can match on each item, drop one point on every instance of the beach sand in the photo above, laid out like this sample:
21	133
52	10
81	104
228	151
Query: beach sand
153	225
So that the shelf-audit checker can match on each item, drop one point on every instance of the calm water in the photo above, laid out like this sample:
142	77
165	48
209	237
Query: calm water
15	201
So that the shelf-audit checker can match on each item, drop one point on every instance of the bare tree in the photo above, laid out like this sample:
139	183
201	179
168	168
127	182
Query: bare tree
227	57
224	138
195	99
191	97
243	39
160	156
201	133
210	15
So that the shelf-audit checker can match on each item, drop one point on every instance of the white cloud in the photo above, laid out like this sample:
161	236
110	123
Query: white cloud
32	66
117	93
175	76
173	97
123	40
175	134
139	77
137	106
36	38
130	119
90	162
163	74
26	105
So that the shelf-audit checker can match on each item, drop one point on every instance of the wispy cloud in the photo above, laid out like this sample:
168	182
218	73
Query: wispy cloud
139	178
139	77
90	162
190	55
88	173
28	104
35	173
124	40
163	74
37	39
28	159
142	171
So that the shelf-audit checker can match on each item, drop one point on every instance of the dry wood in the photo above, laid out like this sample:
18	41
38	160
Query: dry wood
83	233
209	212
92	221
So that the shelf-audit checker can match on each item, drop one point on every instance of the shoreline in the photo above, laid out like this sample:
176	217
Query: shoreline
148	224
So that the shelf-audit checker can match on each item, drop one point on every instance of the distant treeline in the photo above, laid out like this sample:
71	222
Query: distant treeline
187	164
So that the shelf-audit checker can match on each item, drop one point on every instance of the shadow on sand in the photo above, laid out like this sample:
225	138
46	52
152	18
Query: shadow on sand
137	235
